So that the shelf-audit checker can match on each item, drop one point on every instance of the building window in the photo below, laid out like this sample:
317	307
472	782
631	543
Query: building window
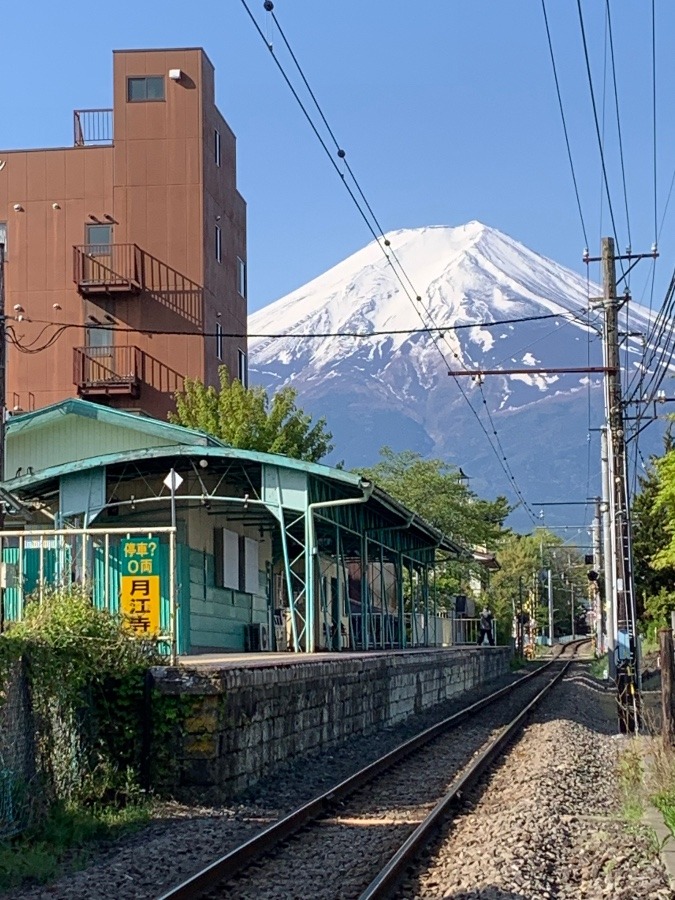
217	146
243	368
241	277
150	87
219	340
3	236
98	239
219	244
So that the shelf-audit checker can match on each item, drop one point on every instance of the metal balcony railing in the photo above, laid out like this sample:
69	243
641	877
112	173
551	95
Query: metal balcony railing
108	269
92	127
104	371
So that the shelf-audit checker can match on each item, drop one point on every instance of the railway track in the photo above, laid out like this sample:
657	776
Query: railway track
358	838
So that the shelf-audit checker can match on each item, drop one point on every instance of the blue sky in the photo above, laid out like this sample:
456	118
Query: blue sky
447	110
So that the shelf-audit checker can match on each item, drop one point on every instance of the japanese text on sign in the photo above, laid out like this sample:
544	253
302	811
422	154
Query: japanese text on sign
140	594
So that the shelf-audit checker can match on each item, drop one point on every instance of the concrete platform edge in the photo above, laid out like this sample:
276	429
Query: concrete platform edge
653	818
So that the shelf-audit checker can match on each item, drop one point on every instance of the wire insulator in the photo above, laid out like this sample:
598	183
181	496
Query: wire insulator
268	5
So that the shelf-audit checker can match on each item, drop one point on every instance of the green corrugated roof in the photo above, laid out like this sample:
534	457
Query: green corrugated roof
176	450
188	442
155	427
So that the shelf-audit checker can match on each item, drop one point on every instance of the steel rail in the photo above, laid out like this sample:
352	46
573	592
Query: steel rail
233	862
389	877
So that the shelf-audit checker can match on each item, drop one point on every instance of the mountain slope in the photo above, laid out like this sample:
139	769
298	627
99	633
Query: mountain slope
393	388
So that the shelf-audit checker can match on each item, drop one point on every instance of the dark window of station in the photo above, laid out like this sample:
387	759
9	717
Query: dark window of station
150	87
3	236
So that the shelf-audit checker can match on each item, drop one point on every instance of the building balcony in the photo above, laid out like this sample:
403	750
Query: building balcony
92	127
108	371
108	269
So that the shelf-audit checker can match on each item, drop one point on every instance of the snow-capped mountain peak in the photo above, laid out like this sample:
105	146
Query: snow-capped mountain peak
392	387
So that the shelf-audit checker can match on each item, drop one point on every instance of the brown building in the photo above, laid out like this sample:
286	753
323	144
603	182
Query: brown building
136	235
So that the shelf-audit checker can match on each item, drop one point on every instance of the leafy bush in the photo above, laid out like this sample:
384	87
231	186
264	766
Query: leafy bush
86	676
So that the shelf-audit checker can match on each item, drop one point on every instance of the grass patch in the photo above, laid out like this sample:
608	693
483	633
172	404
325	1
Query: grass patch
63	841
661	776
630	773
598	668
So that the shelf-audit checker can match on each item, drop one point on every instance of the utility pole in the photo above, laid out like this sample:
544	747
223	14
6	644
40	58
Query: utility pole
598	599
608	556
550	608
625	650
3	417
3	367
521	623
572	608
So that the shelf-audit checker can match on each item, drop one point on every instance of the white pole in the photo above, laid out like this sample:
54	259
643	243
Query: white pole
550	608
172	573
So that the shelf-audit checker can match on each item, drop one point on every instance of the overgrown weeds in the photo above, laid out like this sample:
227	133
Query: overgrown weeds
62	840
630	772
646	774
82	680
598	668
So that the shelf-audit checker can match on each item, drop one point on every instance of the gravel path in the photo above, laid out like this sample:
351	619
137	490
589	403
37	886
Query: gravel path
547	823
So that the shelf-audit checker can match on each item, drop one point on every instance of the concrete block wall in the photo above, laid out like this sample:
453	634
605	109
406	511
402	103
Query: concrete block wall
241	723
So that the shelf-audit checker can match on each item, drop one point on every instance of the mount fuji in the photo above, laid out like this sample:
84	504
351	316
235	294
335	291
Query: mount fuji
391	385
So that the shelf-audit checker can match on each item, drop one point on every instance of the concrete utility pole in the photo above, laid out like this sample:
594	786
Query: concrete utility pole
625	651
550	608
3	414
608	556
667	719
3	367
597	567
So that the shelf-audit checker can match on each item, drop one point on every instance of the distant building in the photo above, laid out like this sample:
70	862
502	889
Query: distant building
135	230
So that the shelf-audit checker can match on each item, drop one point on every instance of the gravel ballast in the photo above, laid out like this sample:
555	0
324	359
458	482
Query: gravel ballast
548	822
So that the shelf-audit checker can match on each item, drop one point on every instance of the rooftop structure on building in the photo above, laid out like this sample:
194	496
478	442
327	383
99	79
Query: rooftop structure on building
136	236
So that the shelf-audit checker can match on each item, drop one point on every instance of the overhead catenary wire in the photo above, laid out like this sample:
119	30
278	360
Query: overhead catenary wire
654	173
564	122
597	125
618	119
391	257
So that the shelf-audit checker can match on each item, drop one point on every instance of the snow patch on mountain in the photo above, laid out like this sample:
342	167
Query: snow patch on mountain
363	350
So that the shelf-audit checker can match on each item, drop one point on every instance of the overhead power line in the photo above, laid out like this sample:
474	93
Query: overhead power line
372	223
618	118
564	122
315	335
597	122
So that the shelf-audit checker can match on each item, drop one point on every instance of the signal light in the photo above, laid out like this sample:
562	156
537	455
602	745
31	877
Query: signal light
592	575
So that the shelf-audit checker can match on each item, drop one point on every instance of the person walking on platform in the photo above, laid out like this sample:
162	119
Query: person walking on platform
486	627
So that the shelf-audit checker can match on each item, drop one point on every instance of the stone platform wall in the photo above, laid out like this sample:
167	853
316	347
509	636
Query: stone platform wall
241	723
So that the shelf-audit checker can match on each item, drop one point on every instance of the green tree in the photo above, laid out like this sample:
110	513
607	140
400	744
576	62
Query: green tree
247	419
651	538
653	516
524	562
434	490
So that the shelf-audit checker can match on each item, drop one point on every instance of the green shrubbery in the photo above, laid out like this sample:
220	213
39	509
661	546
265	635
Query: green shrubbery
86	676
